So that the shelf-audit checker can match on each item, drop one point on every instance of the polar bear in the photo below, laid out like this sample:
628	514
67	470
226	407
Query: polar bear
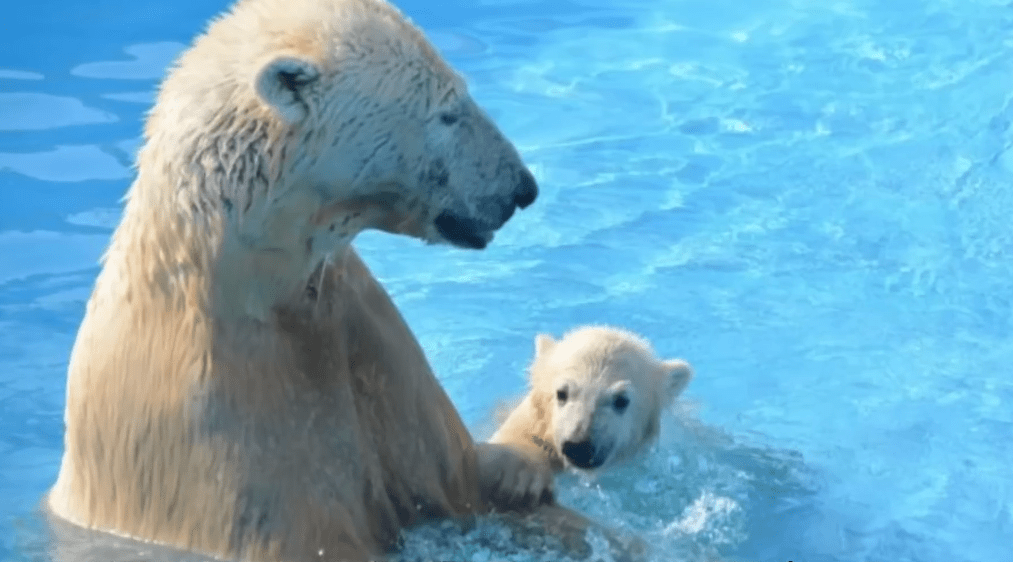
241	385
596	398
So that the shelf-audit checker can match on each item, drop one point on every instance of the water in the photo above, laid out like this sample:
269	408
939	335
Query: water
809	200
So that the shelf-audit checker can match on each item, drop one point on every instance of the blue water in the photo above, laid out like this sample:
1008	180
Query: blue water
810	200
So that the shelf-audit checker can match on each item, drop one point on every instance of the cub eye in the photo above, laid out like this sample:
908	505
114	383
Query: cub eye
561	395
620	402
448	118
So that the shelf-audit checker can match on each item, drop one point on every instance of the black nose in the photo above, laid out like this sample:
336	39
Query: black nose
581	454
527	190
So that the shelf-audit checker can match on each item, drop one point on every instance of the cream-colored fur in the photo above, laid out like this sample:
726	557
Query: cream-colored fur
241	385
596	398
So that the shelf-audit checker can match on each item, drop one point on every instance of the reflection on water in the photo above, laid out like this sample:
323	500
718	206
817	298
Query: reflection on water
28	111
19	75
150	61
66	164
59	541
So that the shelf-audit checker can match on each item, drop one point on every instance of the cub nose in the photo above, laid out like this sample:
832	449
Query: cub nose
527	190
581	454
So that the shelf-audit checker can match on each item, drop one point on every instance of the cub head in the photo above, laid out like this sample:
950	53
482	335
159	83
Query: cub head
389	128
604	392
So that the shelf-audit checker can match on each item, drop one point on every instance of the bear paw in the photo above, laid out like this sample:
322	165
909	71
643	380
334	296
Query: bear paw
511	479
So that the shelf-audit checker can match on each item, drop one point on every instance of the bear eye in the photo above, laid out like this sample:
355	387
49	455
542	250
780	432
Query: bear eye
620	402
448	118
561	395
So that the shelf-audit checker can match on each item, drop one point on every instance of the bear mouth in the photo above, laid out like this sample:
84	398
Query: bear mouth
463	232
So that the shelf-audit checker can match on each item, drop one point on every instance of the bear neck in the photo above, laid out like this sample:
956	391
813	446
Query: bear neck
211	221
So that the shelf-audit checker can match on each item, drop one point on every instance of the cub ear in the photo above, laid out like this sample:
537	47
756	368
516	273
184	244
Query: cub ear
543	344
282	83
676	374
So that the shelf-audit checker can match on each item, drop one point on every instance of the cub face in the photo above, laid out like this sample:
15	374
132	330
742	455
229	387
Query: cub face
606	392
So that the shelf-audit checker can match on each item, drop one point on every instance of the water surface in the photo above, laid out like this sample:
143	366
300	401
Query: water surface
809	200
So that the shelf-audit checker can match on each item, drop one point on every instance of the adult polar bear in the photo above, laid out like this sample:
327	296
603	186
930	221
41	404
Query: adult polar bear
241	385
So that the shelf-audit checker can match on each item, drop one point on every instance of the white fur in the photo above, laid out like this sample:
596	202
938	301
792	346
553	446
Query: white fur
575	384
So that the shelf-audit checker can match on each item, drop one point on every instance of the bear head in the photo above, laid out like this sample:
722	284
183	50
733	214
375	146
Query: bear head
306	121
398	129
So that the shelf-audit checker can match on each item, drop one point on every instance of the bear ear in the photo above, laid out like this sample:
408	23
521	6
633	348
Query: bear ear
543	344
282	82
677	374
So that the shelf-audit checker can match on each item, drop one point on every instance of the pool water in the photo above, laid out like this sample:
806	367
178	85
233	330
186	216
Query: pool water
809	200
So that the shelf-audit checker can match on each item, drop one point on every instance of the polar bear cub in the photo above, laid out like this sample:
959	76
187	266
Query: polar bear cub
596	398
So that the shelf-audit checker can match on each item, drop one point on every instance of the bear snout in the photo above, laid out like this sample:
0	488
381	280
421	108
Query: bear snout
527	190
523	196
583	454
469	232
